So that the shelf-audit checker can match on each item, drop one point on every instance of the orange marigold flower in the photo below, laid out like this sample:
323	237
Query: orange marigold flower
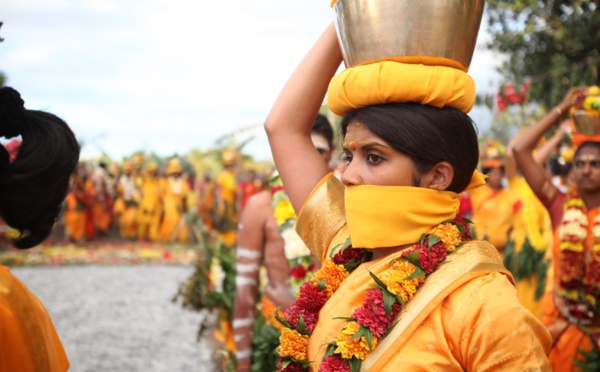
292	344
449	234
357	347
333	275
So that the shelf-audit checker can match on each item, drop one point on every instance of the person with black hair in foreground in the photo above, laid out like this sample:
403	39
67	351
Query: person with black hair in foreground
38	154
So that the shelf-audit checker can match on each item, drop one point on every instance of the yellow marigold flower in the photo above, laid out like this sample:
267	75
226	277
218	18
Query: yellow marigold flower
395	279
333	275
449	234
357	347
292	344
284	211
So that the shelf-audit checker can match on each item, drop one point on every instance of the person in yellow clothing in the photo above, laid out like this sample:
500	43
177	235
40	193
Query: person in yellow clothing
126	204
570	306
396	260
38	154
226	199
528	253
150	208
175	193
494	206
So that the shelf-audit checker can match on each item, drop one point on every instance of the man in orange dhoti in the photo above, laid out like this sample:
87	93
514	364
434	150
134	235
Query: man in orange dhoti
570	308
384	231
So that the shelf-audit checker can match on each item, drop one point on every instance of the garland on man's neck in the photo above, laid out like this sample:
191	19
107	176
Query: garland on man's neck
374	319
579	277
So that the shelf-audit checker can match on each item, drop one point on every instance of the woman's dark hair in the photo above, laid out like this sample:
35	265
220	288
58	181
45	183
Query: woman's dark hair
33	185
322	125
427	134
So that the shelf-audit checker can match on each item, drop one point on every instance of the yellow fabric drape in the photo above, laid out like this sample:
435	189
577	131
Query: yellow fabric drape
28	337
479	324
402	213
390	81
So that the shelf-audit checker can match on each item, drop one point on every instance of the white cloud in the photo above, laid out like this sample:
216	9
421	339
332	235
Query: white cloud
164	75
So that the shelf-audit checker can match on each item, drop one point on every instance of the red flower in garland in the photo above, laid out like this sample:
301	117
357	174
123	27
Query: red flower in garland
311	298
292	367
369	319
429	259
348	254
334	363
292	316
374	301
298	272
460	221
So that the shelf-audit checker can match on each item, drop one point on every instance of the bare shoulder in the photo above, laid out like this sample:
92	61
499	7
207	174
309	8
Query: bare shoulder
258	205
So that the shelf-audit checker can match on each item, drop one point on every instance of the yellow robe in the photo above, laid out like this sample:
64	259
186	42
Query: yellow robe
227	209
531	222
477	324
29	342
150	209
173	227
493	214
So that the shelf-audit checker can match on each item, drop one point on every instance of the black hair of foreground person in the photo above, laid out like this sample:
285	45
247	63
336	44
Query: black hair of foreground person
427	134
34	185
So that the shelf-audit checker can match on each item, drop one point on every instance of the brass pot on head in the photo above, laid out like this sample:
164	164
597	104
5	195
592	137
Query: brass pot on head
587	122
373	30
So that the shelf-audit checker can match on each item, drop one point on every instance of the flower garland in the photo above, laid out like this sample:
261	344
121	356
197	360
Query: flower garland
373	320
579	265
300	260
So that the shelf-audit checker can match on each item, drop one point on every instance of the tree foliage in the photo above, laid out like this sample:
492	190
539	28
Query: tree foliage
555	43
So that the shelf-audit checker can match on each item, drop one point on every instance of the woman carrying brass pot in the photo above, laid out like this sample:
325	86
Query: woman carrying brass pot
402	286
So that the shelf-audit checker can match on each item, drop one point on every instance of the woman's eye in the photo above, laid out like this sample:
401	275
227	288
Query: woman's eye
345	157
374	159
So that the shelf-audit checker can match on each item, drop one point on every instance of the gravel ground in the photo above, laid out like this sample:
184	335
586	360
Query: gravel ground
121	318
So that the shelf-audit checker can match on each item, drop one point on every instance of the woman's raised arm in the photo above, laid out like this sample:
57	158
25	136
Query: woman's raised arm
291	118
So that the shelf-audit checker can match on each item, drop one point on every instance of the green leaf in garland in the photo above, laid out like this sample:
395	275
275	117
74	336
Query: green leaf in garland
378	281
322	284
388	301
281	320
346	318
335	248
330	349
388	331
355	364
347	243
286	362
362	331
301	325
417	273
468	221
433	240
460	228
369	337
413	258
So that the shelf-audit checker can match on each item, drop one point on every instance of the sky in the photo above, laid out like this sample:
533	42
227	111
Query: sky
166	76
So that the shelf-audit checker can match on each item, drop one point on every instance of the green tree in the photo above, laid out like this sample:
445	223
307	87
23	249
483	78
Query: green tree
555	43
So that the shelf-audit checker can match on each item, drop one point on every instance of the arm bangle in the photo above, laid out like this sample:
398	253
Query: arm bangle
559	111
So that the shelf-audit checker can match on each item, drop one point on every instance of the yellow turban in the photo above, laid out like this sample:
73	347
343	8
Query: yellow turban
390	81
